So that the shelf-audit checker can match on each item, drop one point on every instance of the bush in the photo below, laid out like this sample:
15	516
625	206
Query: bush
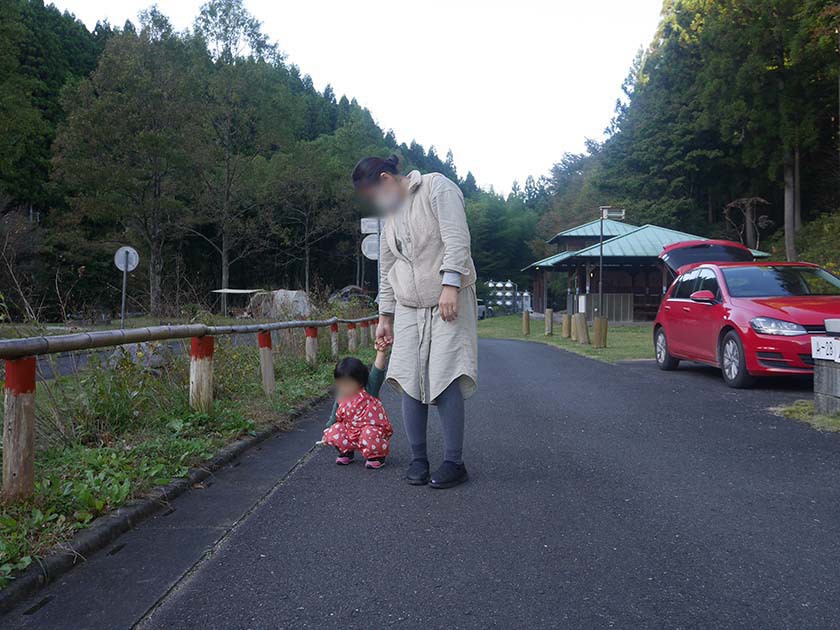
817	241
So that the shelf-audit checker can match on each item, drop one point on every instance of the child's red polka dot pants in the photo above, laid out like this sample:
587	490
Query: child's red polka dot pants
371	440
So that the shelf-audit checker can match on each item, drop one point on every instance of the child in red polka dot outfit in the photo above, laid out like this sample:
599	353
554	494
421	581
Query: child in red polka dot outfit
358	421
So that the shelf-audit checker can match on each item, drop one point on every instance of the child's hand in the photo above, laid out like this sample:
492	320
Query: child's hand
383	344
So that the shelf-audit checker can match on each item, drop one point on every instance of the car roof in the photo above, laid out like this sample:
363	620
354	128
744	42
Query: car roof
704	243
729	265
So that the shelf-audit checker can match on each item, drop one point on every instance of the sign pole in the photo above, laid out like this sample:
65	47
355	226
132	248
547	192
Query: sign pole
601	269
126	259
125	284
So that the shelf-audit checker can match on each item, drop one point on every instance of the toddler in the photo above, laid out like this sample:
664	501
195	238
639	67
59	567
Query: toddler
358	421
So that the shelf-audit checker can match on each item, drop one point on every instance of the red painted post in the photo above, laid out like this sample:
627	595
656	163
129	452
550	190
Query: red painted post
352	340
373	324
311	345
201	373
19	430
334	340
266	362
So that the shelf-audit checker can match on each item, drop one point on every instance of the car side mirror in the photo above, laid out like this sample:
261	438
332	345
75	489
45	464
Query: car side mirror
704	297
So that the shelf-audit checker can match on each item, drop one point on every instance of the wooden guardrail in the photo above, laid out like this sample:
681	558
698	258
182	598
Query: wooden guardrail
20	357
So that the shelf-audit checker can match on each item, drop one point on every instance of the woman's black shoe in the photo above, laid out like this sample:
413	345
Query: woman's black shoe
418	472
449	475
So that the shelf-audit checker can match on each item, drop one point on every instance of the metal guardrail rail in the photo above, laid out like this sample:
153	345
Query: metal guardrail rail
53	344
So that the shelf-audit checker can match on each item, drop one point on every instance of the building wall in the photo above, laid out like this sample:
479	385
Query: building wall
643	282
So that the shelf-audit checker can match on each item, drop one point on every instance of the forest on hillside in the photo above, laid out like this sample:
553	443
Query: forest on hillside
206	150
728	128
218	159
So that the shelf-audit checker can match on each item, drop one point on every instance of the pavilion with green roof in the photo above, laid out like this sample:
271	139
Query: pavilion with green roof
634	278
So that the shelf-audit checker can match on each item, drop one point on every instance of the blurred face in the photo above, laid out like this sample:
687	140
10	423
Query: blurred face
346	388
387	195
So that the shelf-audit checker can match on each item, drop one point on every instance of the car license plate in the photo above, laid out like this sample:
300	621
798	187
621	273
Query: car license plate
825	348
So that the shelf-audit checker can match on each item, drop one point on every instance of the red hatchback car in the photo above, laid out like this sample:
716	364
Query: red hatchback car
748	318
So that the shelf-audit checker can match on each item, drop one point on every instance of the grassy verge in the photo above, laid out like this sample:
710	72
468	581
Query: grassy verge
110	433
803	410
623	342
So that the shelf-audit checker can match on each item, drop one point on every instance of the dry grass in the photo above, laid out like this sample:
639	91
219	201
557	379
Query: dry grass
803	410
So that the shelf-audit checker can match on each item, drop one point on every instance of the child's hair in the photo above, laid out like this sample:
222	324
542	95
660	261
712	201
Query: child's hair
352	368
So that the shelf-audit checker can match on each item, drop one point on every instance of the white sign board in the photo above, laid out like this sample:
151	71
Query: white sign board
372	225
616	214
370	247
825	348
126	258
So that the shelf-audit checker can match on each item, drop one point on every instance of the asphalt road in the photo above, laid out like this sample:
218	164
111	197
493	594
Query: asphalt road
601	496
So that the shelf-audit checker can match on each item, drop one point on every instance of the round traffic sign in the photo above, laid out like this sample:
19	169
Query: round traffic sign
126	258
370	247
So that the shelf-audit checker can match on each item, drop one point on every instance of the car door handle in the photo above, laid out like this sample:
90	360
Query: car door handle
686	309
667	308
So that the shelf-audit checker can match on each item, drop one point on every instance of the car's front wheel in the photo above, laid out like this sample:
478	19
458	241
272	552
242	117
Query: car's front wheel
663	357
733	363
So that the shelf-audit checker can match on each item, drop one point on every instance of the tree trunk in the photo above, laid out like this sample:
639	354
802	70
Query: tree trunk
790	196
797	199
710	210
306	267
225	271
749	226
155	279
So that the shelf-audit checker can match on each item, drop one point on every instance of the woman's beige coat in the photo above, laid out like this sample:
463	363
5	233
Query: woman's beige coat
438	240
432	237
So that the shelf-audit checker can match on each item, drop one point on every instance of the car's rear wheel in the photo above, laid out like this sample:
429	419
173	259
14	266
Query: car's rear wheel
663	357
733	362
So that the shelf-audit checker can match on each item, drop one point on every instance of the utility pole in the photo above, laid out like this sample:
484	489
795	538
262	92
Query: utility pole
600	323
601	267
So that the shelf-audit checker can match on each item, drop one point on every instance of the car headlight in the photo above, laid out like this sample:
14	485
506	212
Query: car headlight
770	326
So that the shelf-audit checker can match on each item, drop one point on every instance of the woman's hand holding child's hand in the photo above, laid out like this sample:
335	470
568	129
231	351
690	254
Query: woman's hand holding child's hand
382	345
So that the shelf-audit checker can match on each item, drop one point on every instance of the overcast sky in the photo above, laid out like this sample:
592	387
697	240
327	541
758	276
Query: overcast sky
508	85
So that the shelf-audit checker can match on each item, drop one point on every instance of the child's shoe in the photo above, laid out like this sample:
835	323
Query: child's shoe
344	459
375	463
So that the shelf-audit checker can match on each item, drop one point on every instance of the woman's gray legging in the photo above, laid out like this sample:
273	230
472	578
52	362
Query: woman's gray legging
450	405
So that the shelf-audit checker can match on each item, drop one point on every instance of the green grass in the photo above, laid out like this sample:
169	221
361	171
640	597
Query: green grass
624	343
803	410
108	435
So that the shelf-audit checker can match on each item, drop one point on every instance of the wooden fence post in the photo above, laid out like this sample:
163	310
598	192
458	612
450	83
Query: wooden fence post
311	345
334	340
549	322
266	362
526	323
201	373
582	329
566	327
19	430
600	332
352	341
372	327
364	334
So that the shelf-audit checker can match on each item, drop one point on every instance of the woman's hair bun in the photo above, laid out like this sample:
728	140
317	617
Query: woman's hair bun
369	170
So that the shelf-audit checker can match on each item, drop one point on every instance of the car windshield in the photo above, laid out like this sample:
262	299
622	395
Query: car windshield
779	281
